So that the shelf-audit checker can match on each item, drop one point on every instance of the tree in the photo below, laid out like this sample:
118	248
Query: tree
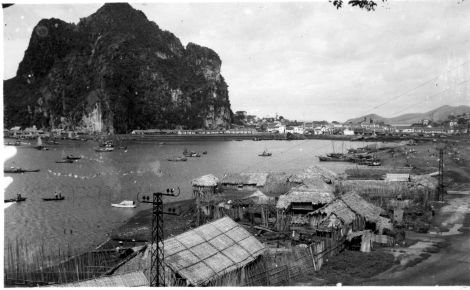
368	5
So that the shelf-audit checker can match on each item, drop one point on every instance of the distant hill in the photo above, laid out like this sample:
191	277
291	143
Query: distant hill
437	115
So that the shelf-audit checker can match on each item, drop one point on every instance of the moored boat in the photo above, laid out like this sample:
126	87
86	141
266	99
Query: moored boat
178	158
125	203
65	161
53	198
73	157
334	159
265	154
40	146
15	199
104	149
18	170
18	198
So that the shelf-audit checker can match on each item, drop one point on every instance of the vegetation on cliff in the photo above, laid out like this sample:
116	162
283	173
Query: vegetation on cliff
115	71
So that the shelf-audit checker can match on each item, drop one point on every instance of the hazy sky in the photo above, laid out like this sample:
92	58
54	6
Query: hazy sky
308	60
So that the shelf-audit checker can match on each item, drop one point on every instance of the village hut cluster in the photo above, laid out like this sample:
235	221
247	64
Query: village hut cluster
262	229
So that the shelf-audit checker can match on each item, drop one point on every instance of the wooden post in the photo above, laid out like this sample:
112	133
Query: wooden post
313	257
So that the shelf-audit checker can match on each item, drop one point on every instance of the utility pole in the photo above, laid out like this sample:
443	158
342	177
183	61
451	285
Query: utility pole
440	187
157	270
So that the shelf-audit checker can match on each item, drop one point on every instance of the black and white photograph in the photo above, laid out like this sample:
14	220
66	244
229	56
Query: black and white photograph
236	143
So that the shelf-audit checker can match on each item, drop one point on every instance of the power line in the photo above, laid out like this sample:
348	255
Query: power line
415	88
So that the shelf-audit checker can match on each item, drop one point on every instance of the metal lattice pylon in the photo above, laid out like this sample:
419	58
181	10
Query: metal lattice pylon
157	269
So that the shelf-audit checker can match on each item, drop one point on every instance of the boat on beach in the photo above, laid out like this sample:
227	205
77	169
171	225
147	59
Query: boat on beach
125	203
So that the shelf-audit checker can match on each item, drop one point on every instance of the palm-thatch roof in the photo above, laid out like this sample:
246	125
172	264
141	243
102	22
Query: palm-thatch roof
314	175
210	251
305	194
424	180
246	178
338	208
361	207
205	180
132	279
260	198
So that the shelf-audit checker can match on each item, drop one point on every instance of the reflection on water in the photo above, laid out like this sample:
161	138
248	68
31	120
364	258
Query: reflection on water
91	184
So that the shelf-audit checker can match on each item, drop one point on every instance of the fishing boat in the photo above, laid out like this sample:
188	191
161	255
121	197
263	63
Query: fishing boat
18	199
53	198
65	161
73	157
39	146
265	154
124	203
187	153
18	170
334	158
178	158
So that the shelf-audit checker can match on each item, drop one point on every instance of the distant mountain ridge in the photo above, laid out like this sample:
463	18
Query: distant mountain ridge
437	115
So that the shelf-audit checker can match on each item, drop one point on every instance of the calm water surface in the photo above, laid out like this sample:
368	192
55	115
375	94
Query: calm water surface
91	184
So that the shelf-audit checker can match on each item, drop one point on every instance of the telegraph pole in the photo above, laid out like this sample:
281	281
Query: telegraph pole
440	188
157	270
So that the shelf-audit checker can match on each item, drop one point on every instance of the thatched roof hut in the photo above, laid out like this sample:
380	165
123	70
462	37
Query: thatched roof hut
313	175
260	198
361	207
208	180
338	208
424	180
210	251
131	279
305	194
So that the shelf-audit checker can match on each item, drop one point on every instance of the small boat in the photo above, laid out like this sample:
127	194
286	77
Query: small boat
204	152
186	153
265	154
53	198
39	146
337	159
65	161
125	203
18	199
73	157
104	149
18	170
179	158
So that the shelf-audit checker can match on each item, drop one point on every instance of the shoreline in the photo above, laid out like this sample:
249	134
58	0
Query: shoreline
255	137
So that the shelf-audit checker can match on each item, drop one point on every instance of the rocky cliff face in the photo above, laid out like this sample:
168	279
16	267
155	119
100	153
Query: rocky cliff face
115	71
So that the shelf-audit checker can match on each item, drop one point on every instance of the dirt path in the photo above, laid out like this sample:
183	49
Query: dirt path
451	264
